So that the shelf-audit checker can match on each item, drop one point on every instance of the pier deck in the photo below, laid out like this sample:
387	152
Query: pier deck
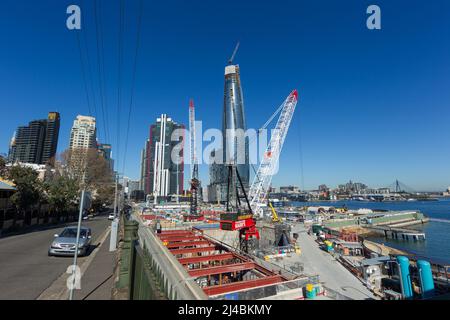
399	233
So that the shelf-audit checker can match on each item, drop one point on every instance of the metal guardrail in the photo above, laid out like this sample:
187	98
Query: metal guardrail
145	282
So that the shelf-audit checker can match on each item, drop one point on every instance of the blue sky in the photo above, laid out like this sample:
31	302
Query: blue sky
374	105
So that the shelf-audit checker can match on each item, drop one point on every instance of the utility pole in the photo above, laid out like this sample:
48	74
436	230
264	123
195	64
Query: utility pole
75	257
115	195
115	223
178	184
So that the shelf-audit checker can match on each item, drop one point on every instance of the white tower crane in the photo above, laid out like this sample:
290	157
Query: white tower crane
269	164
192	139
195	183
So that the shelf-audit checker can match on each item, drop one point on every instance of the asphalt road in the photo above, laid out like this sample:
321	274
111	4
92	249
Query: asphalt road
25	268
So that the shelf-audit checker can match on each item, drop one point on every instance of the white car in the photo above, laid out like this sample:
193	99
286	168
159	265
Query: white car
111	216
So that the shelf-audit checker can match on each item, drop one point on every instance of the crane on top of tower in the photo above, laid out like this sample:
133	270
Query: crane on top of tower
230	62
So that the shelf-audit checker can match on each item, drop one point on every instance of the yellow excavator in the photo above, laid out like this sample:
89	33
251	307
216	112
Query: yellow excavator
275	217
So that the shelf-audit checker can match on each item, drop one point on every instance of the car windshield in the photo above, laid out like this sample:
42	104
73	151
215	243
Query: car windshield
72	233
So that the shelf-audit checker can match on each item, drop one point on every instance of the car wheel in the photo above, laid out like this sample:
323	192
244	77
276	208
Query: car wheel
49	254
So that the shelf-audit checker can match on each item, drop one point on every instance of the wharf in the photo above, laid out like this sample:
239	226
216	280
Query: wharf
381	249
399	233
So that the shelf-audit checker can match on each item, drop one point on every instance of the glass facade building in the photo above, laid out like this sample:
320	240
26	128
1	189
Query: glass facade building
37	142
162	176
235	144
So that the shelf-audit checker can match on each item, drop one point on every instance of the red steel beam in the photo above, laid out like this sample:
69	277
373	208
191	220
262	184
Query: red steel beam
240	285
222	269
193	250
181	238
187	244
212	257
166	232
175	234
263	270
176	231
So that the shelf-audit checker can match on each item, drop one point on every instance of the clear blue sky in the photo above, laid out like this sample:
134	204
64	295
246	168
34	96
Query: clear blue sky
374	105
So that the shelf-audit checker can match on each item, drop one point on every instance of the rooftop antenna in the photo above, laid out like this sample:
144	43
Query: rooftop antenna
234	53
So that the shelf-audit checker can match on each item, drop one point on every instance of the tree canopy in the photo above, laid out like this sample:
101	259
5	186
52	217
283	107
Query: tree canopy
29	189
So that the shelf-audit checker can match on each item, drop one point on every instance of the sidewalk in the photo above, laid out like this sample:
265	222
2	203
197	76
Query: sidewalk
98	280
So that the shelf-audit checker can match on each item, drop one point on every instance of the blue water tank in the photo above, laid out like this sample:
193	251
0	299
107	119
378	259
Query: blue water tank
426	278
405	277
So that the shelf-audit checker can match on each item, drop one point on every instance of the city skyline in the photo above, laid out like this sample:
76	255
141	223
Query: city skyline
367	113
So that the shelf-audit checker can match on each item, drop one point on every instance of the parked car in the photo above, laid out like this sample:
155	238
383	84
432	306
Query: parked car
111	216
64	244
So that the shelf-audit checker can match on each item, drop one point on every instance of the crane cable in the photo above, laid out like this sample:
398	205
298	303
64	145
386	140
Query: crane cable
265	125
300	146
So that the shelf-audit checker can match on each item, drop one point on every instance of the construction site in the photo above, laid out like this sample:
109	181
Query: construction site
241	249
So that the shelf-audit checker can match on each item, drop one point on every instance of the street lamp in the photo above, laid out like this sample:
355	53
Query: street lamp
115	222
75	257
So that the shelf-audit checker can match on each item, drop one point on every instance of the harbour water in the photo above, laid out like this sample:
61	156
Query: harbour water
436	247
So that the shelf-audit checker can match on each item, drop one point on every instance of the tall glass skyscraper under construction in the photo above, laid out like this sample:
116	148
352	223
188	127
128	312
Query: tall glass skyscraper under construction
235	148
235	144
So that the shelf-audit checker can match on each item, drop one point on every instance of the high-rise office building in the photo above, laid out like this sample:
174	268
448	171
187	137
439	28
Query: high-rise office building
84	133
83	137
130	186
217	189
37	142
105	150
144	153
235	144
163	177
51	137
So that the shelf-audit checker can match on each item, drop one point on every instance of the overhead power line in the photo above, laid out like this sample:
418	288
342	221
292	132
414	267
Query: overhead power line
101	68
133	81
89	69
119	77
83	71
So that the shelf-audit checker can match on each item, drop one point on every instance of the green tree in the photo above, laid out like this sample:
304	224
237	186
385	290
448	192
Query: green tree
62	193
90	170
3	168
29	189
104	197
